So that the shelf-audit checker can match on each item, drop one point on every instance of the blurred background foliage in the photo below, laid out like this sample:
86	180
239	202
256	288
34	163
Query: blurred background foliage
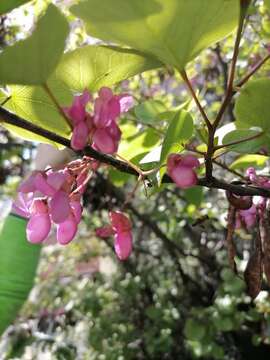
175	298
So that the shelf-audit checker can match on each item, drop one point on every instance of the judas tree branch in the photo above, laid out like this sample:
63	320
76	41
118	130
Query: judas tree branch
13	119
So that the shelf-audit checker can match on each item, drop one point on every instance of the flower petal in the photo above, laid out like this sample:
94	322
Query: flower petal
38	228
60	207
66	230
123	244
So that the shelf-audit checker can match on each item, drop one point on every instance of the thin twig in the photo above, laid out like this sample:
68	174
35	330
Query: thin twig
195	98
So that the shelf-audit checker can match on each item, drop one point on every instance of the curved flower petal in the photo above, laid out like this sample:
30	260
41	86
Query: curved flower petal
103	142
60	207
42	185
38	228
120	222
123	244
66	230
28	185
184	177
56	179
80	136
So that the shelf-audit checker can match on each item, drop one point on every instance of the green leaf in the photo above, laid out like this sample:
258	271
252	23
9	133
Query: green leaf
18	263
249	146
31	61
194	330
246	161
174	31
94	66
33	104
180	130
148	111
8	5
138	144
194	195
267	4
252	107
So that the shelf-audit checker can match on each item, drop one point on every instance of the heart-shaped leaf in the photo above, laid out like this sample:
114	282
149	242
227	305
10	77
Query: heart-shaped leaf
174	31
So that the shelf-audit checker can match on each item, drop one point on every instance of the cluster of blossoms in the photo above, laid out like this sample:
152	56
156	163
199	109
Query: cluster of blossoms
181	168
54	196
247	218
99	129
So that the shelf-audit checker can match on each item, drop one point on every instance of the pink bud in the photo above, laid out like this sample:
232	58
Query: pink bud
42	185
66	230
80	136
105	231
38	228
59	207
123	244
120	222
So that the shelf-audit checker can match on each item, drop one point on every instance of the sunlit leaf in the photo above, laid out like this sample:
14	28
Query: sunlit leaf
31	61
174	31
94	66
246	161
252	107
249	146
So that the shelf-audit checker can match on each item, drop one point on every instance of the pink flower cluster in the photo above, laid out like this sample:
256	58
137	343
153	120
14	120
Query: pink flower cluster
181	168
121	229
247	218
53	196
100	129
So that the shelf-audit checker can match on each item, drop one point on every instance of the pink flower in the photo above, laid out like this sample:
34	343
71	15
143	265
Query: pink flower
76	112
121	229
121	226
181	170
100	127
53	196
